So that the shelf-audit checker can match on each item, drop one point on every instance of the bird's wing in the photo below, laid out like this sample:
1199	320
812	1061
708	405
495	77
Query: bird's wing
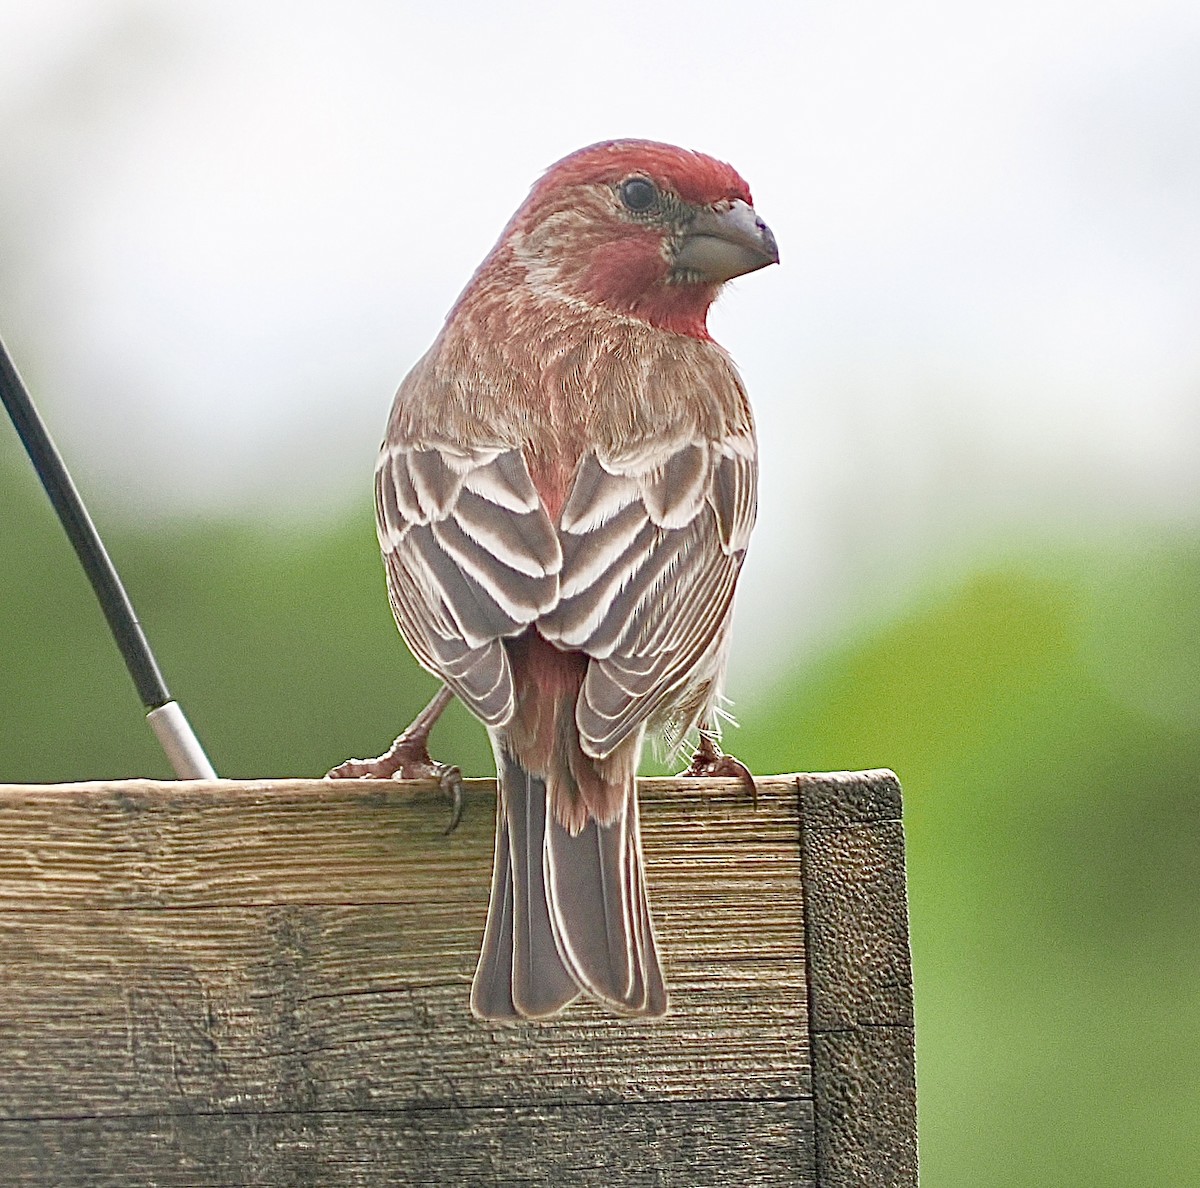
471	558
652	540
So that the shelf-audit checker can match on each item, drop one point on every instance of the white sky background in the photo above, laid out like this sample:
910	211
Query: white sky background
227	229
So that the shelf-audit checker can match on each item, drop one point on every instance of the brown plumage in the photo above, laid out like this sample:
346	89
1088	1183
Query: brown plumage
564	498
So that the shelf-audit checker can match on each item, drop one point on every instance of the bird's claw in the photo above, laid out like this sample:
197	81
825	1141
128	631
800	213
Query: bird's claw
408	759
710	762
451	783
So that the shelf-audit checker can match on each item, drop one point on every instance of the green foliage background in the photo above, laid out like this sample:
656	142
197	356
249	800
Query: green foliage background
1043	714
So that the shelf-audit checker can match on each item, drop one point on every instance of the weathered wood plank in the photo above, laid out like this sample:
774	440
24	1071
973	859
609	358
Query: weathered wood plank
665	1143
143	844
289	962
859	981
266	982
299	1007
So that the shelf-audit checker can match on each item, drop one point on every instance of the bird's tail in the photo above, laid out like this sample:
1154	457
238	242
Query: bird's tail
568	910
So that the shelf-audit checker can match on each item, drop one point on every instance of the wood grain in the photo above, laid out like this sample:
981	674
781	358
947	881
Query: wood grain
859	981
266	982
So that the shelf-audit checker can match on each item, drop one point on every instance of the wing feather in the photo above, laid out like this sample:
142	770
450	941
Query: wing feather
588	555
673	491
605	719
638	574
734	489
524	541
650	592
653	540
574	622
471	559
596	496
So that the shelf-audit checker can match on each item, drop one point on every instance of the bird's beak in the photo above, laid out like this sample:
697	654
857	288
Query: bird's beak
721	244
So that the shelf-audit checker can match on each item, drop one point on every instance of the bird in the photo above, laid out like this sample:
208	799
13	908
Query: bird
564	498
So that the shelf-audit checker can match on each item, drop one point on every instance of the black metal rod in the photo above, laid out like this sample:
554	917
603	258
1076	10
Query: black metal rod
118	610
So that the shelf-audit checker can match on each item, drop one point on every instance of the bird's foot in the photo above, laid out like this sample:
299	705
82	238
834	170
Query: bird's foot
407	759
710	761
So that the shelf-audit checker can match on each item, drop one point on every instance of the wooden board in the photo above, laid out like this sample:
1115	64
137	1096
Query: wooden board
266	983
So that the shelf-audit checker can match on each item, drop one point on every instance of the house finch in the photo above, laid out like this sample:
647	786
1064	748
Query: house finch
564	497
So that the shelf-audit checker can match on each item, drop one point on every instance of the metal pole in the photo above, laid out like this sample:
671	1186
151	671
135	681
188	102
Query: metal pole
166	719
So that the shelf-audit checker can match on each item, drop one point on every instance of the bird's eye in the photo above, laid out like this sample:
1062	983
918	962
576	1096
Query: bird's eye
639	194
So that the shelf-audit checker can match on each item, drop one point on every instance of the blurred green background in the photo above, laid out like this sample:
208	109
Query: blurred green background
1042	714
227	229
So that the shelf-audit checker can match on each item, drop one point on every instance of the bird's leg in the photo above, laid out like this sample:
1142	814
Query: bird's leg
710	760
408	759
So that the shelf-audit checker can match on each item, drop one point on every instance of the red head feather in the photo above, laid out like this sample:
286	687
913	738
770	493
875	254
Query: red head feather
694	177
576	243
